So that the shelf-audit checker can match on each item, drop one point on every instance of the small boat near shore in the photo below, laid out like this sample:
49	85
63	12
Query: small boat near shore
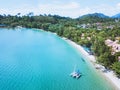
75	74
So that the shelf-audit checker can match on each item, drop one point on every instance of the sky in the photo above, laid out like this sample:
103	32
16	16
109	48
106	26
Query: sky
68	8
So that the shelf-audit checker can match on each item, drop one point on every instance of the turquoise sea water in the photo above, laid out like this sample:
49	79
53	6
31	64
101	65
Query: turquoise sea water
31	59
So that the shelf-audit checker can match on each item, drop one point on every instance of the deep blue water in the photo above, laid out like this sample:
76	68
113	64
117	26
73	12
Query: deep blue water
32	59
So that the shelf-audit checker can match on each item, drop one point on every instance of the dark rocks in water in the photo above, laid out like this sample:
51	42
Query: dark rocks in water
82	59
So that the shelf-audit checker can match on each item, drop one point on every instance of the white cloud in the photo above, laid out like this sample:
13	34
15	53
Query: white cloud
67	9
118	4
71	9
24	9
64	9
107	9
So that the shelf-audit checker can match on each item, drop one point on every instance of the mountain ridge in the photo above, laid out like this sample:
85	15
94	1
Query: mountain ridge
116	16
97	15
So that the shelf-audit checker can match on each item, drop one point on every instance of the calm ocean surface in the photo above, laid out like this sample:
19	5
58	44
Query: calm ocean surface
38	60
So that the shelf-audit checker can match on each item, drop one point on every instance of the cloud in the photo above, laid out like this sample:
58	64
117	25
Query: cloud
24	9
107	9
61	9
64	9
70	9
74	9
118	4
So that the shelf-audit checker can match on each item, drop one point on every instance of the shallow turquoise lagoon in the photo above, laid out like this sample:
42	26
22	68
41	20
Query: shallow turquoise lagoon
32	59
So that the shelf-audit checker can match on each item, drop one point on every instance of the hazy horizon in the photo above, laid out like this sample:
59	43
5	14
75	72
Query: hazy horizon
69	8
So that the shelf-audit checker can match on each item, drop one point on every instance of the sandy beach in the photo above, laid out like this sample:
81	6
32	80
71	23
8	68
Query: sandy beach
106	73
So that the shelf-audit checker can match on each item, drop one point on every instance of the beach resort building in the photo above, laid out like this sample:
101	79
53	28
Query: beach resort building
115	47
119	58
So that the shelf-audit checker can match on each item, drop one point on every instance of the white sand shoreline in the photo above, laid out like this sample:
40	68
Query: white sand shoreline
107	74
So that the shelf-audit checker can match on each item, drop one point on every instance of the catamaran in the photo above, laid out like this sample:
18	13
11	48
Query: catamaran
75	74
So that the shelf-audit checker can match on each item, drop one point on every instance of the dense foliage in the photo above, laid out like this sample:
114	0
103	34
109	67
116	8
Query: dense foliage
71	28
